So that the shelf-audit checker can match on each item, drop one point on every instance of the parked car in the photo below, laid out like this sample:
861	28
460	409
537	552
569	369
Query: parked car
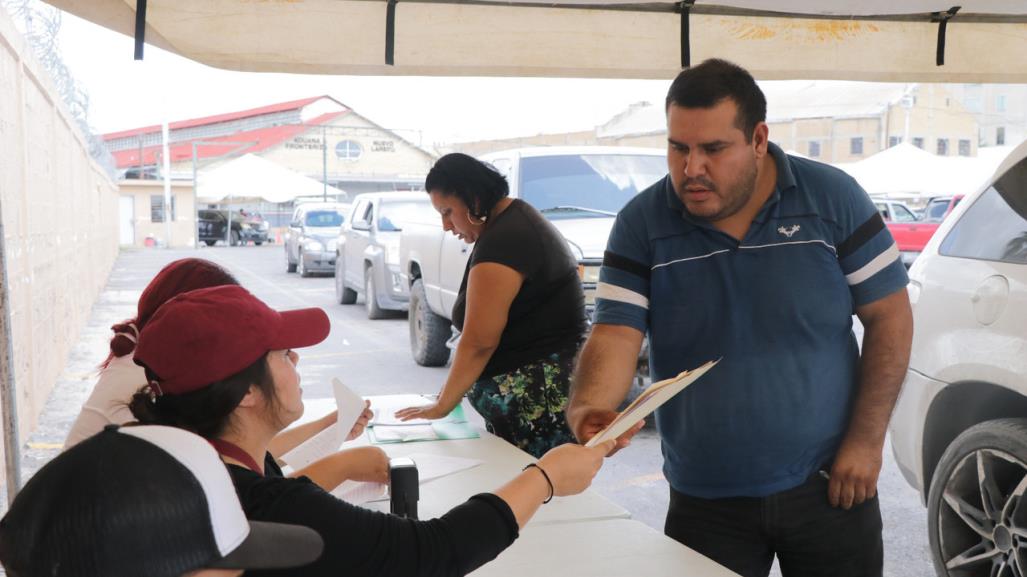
894	211
580	189
367	251
959	431
310	240
938	207
911	237
210	225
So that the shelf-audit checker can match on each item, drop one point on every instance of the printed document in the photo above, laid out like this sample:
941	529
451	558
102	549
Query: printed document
329	440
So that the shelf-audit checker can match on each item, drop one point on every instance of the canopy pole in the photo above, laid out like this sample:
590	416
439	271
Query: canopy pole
140	37
390	33
942	18
685	8
8	390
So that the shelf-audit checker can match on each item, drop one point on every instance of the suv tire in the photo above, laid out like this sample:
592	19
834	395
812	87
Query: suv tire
983	474
428	331
343	294
374	312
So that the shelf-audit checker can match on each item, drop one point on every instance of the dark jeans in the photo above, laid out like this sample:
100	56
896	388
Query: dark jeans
809	536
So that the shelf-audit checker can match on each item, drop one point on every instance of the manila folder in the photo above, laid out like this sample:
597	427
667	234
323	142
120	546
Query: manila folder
648	401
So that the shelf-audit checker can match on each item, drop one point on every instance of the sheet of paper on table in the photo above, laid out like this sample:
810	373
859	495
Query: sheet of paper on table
429	468
647	402
385	411
329	440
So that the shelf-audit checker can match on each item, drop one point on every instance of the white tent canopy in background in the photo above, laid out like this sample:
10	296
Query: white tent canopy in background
251	176
905	171
883	40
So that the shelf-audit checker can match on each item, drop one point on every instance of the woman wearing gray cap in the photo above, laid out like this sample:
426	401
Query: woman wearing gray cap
135	501
236	385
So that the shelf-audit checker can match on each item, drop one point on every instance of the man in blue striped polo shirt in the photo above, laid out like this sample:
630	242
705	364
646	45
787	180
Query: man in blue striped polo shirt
746	253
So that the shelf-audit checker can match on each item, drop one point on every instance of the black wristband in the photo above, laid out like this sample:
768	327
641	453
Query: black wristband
552	491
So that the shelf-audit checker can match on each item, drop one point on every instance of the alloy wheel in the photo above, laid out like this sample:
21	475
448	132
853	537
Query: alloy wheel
982	525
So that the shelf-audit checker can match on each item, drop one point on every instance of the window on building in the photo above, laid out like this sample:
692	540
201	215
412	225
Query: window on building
964	147
918	141
1000	136
814	149
943	147
348	149
157	208
856	145
1000	103
894	141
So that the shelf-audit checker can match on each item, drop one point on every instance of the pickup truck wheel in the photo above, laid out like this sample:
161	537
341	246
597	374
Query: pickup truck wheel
428	331
977	513
210	242
343	294
374	312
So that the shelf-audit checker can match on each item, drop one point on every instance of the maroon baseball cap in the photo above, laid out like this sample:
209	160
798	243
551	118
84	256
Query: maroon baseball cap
206	335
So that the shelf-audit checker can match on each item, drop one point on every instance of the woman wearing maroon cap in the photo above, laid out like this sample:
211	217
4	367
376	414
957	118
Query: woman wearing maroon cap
239	402
120	378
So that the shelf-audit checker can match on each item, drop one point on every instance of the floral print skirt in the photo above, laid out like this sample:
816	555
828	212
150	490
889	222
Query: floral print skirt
526	406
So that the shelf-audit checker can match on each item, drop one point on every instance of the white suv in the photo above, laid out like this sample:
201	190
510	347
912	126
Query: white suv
959	431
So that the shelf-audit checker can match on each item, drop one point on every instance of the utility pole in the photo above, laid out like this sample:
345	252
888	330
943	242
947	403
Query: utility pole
324	162
166	169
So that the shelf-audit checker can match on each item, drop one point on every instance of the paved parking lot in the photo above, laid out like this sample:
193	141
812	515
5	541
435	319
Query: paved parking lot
373	357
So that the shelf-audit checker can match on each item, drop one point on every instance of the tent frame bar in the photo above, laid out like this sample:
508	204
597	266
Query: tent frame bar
745	12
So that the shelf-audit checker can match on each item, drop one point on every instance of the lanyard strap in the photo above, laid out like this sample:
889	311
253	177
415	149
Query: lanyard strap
231	450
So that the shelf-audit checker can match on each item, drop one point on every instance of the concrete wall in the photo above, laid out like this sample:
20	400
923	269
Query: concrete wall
60	223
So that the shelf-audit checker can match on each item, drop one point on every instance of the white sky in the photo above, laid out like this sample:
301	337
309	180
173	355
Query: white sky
127	94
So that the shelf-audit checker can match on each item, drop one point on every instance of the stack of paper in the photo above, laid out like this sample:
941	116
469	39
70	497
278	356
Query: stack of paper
429	468
386	428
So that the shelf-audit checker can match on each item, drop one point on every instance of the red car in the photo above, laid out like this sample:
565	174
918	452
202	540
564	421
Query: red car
912	237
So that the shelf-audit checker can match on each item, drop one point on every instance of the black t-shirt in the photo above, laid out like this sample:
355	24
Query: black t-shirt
548	314
359	542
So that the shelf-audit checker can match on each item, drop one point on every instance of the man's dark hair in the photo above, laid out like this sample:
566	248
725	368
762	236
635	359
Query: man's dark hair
706	85
477	184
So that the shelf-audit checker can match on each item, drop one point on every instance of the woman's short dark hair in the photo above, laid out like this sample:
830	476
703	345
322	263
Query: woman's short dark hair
706	85
477	184
205	411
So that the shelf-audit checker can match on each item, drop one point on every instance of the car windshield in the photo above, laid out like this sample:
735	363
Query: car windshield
587	185
392	215
323	218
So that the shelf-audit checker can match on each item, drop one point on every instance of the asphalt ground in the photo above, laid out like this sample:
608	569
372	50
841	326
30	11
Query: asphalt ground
373	358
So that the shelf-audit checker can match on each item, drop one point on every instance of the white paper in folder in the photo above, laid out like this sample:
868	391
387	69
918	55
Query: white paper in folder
651	398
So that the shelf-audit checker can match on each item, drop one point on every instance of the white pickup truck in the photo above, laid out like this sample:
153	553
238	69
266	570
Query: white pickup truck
580	189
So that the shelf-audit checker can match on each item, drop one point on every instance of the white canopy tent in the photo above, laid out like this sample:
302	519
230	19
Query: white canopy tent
253	177
884	40
907	172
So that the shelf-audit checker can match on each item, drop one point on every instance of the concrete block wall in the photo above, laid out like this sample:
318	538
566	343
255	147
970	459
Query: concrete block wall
60	223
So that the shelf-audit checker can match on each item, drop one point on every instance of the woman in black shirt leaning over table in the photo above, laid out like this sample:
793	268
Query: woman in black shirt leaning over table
234	382
520	309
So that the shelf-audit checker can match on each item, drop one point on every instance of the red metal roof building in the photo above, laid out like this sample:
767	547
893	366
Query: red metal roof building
361	156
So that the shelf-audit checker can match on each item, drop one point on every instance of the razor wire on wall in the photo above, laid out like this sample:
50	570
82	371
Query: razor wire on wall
41	23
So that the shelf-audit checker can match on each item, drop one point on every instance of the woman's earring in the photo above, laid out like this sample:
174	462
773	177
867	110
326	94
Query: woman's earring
476	221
